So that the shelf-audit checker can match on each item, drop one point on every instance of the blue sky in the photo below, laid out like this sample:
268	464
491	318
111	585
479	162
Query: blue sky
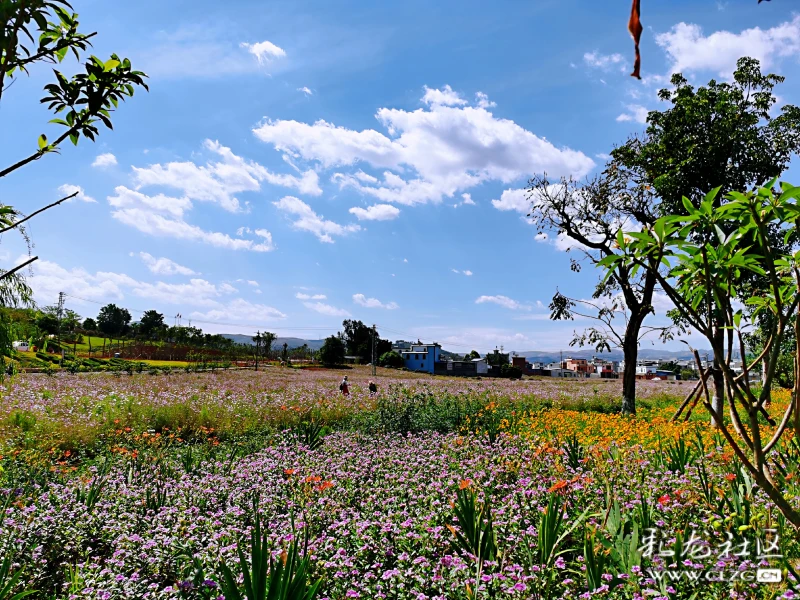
297	163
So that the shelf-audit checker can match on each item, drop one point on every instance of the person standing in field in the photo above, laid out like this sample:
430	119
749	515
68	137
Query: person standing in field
344	387
373	389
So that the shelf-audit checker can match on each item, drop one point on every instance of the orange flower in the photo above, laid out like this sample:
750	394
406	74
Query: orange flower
730	477
288	472
312	479
557	486
324	486
465	483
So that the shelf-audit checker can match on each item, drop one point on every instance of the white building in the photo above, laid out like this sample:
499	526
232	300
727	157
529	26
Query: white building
21	346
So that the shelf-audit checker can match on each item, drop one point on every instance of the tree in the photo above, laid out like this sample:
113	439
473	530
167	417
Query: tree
70	320
332	352
720	135
90	324
151	323
391	359
113	320
358	338
47	322
702	256
471	355
45	31
263	341
594	215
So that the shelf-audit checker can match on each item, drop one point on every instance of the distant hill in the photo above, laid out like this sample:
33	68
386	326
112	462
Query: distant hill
644	353
544	356
278	343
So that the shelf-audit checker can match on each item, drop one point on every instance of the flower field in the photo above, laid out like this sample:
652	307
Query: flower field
149	486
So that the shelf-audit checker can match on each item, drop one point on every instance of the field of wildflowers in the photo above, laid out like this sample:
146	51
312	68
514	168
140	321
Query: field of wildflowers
177	486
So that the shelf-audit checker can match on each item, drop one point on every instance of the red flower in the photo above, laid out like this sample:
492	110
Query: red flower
664	499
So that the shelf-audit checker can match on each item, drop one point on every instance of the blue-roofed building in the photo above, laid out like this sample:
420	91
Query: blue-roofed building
422	357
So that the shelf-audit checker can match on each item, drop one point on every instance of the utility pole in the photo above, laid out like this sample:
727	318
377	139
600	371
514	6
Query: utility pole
258	347
59	312
374	335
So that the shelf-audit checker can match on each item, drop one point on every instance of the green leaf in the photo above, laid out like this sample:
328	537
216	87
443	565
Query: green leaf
111	64
42	142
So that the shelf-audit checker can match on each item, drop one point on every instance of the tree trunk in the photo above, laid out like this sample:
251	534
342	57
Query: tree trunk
630	352
718	400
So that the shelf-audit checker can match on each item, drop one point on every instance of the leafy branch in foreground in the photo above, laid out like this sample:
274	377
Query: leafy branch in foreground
700	260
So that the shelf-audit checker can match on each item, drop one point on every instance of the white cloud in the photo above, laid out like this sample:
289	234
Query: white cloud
503	301
49	278
513	200
163	216
635	113
362	300
250	282
688	49
163	266
602	61
376	212
307	220
305	90
68	189
240	310
405	260
467	199
361	176
302	296
219	181
326	309
602	156
200	51
105	160
446	148
265	52
482	100
466	272
444	97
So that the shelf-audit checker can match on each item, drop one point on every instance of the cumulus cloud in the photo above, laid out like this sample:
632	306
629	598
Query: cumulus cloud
362	300
602	61
503	301
376	212
240	310
265	52
467	199
105	160
305	219
513	200
302	296
444	97
445	148
68	189
482	100
635	113
49	278
163	266
162	216
688	49
220	180
249	282
326	309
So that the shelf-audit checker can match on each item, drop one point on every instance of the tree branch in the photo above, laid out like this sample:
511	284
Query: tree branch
17	268
41	210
